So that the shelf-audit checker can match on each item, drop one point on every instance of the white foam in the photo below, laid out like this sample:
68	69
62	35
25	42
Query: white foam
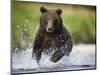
80	55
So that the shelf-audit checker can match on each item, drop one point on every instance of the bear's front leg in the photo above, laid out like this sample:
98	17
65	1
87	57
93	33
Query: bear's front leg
37	55
64	46
37	47
57	56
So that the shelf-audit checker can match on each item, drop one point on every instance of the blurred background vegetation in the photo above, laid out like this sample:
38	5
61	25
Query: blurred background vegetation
80	20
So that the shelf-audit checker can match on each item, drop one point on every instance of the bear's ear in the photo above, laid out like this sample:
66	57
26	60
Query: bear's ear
42	9
59	11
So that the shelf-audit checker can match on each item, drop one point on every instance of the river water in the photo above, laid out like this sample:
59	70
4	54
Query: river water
81	57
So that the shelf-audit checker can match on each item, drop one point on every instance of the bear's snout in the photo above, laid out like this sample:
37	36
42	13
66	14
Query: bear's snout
50	26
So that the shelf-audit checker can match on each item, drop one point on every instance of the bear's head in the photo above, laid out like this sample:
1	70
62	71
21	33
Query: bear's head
50	20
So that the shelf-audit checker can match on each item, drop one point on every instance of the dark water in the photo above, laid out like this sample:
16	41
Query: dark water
81	57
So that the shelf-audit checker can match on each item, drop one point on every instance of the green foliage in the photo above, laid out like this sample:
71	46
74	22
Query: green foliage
82	27
80	20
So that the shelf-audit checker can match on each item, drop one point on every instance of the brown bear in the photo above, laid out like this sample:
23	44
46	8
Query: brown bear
52	35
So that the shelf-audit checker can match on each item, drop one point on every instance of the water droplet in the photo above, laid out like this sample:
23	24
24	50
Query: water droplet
17	26
27	20
25	29
60	35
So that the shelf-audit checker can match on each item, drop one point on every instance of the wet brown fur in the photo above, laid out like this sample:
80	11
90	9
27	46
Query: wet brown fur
55	40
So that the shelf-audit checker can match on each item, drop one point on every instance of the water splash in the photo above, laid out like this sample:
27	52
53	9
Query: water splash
81	55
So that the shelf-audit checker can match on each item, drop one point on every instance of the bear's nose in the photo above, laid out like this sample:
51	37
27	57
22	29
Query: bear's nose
49	30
